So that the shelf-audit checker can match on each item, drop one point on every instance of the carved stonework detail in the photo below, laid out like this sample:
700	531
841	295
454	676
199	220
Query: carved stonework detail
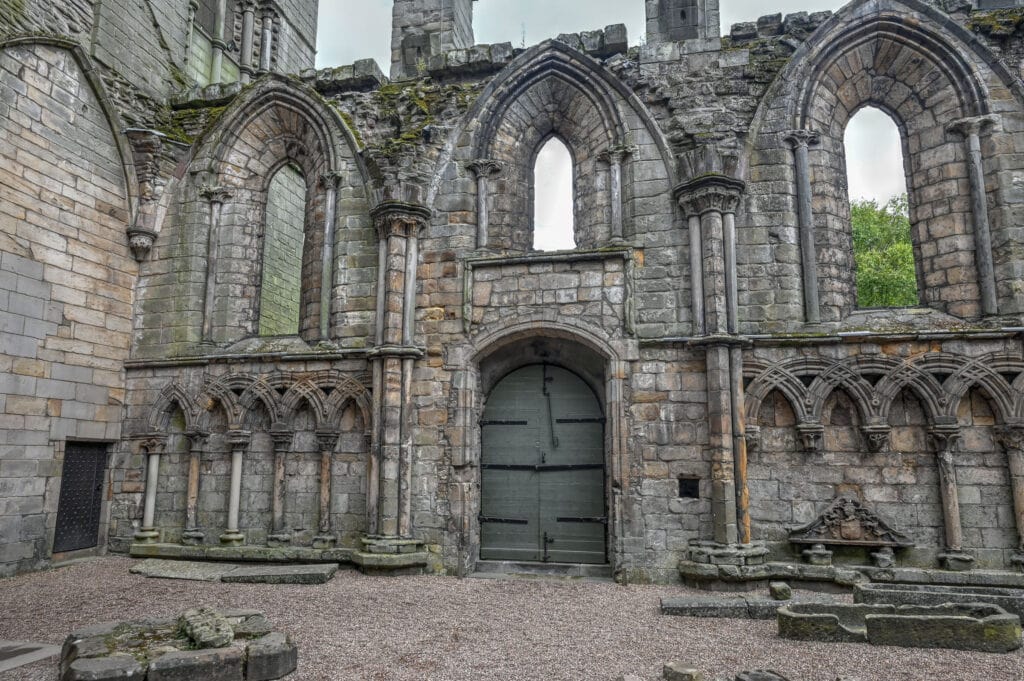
485	167
877	437
812	437
395	218
718	193
1011	438
847	521
151	444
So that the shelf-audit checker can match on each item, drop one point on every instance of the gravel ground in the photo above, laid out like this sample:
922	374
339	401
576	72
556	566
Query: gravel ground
445	629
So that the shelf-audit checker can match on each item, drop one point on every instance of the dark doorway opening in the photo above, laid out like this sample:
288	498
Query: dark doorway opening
81	497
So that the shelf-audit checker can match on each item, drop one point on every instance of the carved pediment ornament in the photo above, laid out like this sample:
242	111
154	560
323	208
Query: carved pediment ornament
848	521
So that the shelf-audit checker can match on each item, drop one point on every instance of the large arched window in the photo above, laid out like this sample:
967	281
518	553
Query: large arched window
883	251
283	240
553	219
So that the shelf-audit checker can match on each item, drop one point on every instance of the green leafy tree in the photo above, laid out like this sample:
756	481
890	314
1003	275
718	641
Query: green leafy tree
886	276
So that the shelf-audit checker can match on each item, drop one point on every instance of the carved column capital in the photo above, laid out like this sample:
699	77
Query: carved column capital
327	439
812	436
618	153
151	444
331	179
945	439
238	439
752	435
396	218
1011	437
198	439
282	436
215	194
718	193
877	436
972	125
486	168
801	138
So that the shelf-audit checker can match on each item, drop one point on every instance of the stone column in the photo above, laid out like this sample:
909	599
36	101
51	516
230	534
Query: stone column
800	141
971	130
328	440
696	276
398	227
217	40
266	41
248	38
946	439
190	28
329	181
193	536
615	156
151	447
238	440
217	196
1012	439
485	169
282	437
713	201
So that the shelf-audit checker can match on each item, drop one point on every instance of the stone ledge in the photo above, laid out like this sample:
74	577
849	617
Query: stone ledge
362	75
242	554
391	563
282	574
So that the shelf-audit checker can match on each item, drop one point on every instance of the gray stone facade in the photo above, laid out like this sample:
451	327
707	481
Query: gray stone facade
709	304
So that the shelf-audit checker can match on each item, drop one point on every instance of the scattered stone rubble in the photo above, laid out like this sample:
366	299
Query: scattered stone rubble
229	645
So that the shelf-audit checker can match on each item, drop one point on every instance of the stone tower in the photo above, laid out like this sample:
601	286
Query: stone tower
670	21
421	28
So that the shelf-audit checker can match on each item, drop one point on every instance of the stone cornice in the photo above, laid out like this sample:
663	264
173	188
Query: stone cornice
712	192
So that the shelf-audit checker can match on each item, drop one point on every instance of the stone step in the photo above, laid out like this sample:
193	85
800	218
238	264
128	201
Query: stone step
509	568
282	574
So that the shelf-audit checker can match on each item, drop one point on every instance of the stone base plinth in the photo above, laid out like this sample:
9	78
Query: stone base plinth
230	538
278	540
728	554
391	556
956	561
147	535
193	537
325	542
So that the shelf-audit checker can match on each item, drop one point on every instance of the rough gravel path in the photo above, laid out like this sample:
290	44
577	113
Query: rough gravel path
359	628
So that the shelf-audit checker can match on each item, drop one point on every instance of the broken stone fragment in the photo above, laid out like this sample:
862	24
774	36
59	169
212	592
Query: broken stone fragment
780	591
272	657
207	628
678	671
104	669
760	675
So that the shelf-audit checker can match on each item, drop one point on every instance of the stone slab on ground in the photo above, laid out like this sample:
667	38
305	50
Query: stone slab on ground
182	569
733	607
14	654
282	574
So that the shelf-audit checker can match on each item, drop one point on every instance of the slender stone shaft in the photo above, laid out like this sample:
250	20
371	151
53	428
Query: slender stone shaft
330	183
971	129
800	140
238	441
248	29
945	440
151	448
327	441
216	196
485	170
615	157
266	43
696	276
1012	440
282	445
192	533
217	40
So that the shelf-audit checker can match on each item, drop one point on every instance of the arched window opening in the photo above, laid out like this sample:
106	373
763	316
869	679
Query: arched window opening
553	214
283	237
883	250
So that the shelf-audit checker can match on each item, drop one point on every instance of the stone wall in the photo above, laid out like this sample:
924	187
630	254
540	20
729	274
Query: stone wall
66	303
281	275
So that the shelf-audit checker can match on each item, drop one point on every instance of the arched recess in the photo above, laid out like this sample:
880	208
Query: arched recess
496	355
925	74
554	90
923	84
280	124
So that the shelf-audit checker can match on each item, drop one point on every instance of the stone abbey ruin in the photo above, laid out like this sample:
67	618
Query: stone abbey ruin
255	311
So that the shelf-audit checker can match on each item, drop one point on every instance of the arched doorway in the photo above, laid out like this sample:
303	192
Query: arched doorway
543	469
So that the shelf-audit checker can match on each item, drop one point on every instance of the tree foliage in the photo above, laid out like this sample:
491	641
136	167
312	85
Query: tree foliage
884	253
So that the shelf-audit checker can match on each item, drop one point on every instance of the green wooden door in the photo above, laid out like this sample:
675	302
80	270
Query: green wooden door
542	470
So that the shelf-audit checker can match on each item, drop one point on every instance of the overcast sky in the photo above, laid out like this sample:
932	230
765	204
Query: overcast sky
360	29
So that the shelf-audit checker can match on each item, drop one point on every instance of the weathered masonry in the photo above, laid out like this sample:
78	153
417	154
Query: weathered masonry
257	316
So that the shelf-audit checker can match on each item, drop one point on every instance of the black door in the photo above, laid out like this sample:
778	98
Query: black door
542	469
81	495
